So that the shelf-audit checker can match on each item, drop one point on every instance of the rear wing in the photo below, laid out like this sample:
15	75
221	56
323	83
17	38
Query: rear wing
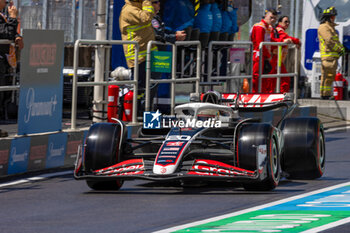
253	100
248	100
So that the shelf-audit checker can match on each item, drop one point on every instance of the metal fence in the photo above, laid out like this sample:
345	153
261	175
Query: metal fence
76	17
12	87
279	63
173	79
291	8
226	45
76	84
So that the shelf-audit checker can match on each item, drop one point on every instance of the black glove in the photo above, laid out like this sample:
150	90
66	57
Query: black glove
160	38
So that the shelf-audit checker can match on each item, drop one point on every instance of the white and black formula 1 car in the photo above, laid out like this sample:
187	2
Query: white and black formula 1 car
213	143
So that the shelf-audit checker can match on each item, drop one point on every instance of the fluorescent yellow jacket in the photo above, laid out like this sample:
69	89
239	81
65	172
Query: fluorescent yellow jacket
135	25
330	46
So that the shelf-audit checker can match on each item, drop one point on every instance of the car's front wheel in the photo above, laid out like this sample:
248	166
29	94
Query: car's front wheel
104	143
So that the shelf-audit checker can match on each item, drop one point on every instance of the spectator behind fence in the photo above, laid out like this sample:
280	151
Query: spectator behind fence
8	31
217	21
226	23
204	22
160	29
282	36
261	32
178	15
232	10
163	34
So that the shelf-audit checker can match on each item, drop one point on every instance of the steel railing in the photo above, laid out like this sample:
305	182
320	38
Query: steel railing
237	44
14	87
279	64
173	79
76	84
9	88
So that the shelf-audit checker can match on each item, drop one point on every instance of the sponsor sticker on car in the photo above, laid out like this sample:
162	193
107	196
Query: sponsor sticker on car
171	149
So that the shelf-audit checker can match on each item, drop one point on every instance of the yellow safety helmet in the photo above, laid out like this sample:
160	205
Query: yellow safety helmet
330	11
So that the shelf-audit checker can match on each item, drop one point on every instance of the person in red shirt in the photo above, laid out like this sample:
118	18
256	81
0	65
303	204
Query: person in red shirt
283	24
262	32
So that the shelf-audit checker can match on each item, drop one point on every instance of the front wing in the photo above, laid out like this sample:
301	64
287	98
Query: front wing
142	169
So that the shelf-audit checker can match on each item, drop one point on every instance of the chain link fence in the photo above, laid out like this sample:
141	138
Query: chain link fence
291	8
76	17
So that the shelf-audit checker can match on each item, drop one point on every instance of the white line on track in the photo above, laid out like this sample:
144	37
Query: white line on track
36	178
337	129
328	226
322	228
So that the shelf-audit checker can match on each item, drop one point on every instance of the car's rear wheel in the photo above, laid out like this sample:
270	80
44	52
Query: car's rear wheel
304	154
254	137
103	148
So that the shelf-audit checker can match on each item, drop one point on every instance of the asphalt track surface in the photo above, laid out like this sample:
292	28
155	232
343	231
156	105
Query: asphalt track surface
62	204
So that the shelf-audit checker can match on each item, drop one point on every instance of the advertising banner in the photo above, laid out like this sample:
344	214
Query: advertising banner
40	101
346	37
37	156
19	154
237	55
74	140
56	150
161	61
5	146
311	46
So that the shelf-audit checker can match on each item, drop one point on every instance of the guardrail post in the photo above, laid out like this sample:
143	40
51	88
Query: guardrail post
74	85
251	67
210	60
136	84
296	77
199	60
99	63
279	64
148	77
260	66
173	79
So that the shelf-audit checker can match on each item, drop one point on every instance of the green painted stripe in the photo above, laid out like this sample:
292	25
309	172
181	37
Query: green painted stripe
302	213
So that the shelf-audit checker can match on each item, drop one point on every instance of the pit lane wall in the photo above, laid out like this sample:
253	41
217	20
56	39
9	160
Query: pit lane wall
23	154
29	153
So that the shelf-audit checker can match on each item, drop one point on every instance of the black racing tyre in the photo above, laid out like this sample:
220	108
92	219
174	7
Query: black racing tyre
304	154
249	138
105	185
102	150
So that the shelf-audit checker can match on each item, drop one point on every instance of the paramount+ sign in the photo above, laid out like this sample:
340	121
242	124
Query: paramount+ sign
40	102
